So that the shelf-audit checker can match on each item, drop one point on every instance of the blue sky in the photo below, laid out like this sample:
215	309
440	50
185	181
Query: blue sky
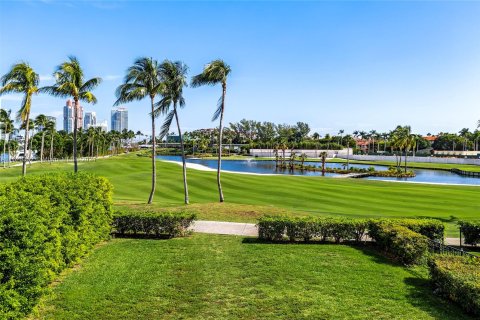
336	65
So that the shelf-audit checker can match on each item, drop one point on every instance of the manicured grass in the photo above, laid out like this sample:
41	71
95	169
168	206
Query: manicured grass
226	277
249	196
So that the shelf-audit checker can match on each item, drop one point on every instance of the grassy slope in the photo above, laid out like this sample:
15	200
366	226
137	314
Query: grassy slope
250	196
225	277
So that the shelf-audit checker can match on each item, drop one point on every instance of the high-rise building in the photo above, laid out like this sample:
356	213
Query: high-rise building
90	120
119	119
103	125
68	116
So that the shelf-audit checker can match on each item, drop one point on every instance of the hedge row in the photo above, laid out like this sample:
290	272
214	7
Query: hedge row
405	239
457	278
46	224
275	228
151	223
405	245
470	231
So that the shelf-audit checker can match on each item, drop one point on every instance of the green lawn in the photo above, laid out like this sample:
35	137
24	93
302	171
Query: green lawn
227	277
250	196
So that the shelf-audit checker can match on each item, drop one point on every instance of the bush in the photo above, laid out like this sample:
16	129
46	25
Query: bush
275	228
46	224
430	228
458	279
471	232
405	245
151	223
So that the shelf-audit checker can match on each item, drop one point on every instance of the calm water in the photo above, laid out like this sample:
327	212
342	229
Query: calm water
268	167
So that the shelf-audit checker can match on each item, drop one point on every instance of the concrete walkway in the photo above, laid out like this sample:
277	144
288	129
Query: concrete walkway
250	229
219	227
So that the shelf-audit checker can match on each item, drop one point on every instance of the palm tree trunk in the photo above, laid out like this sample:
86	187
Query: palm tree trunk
75	119
25	145
406	150
220	136
154	169
41	149
51	148
185	186
4	146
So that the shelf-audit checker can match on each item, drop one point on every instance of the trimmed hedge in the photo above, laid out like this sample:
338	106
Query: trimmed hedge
400	238
405	245
171	224
470	231
458	279
46	224
430	228
276	228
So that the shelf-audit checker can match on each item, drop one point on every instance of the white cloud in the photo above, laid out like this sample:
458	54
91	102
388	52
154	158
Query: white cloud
46	77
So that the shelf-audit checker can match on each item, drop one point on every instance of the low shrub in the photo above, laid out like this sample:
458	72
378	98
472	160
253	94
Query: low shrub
46	224
470	231
405	245
275	228
170	224
430	228
458	279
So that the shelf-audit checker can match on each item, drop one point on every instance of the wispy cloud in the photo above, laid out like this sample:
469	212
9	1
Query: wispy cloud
46	77
110	77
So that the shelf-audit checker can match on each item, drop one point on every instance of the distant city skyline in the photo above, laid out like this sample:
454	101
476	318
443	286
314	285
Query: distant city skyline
335	65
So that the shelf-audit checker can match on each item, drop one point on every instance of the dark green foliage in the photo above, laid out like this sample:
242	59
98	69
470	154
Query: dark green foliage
471	232
457	278
171	224
405	245
275	228
46	224
430	228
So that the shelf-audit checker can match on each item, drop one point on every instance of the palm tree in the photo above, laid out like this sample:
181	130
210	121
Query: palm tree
214	73
8	128
340	133
323	157
70	82
22	79
41	121
30	125
174	76
4	117
143	79
50	129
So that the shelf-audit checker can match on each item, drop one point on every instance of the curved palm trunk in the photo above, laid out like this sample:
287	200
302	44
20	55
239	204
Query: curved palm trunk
75	119
220	136
41	149
154	169
185	186
25	146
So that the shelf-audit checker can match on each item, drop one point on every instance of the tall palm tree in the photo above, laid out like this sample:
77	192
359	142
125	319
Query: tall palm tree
8	128
174	76
41	121
214	73
70	82
22	79
143	79
50	129
28	125
4	117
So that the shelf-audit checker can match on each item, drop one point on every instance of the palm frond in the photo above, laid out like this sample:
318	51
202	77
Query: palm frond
166	124
91	84
162	106
88	97
218	112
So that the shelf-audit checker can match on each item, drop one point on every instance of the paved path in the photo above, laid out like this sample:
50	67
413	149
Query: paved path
250	229
232	228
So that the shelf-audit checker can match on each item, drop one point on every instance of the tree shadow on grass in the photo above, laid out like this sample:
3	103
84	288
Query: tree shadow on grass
140	236
420	295
420	292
